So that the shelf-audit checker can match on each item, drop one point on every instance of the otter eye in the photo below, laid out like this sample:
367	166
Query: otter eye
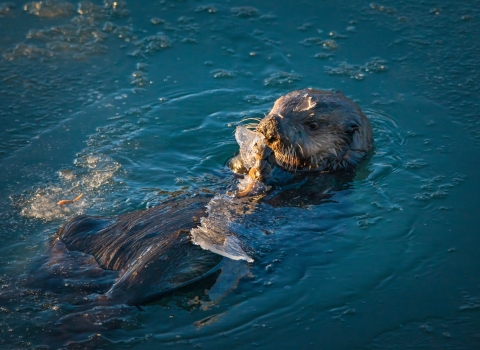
312	125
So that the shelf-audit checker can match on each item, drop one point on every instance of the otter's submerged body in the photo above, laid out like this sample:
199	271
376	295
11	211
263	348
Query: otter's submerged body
306	130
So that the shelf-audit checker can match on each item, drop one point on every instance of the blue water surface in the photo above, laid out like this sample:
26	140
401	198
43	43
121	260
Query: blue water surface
131	103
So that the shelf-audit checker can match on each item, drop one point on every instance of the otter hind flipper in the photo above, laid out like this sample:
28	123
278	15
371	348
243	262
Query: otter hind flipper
82	234
163	270
232	271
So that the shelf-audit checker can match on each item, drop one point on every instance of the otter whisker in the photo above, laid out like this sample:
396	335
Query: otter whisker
290	157
289	164
294	158
251	126
251	118
301	149
285	157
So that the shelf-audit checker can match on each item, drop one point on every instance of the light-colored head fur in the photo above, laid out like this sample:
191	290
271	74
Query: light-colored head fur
316	130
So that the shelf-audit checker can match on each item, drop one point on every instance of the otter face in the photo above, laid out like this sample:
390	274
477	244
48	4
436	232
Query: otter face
317	130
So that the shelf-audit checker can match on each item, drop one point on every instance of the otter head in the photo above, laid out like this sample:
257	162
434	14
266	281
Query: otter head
316	130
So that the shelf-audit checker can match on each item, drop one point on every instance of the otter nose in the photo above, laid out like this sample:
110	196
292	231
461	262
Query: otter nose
269	127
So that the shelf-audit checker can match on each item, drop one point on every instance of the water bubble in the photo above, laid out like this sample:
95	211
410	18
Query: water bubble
355	71
381	8
156	20
139	79
151	44
416	164
5	8
244	11
323	56
206	8
305	26
281	78
222	73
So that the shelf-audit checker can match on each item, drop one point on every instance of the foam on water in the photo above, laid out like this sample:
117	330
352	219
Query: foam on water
89	179
49	8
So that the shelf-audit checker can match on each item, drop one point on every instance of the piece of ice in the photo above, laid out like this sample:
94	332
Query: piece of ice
221	231
247	139
252	186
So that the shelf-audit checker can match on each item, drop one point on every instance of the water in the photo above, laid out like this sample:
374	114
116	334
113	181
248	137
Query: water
132	103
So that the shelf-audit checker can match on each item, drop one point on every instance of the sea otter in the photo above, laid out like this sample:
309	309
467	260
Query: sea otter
306	130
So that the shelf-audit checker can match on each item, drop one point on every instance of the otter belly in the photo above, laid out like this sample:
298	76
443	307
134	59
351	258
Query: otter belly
151	248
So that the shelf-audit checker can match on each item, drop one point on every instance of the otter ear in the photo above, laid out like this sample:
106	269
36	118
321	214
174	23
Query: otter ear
351	129
354	156
358	141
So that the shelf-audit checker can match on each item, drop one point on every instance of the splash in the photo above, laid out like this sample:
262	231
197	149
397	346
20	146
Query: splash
93	173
